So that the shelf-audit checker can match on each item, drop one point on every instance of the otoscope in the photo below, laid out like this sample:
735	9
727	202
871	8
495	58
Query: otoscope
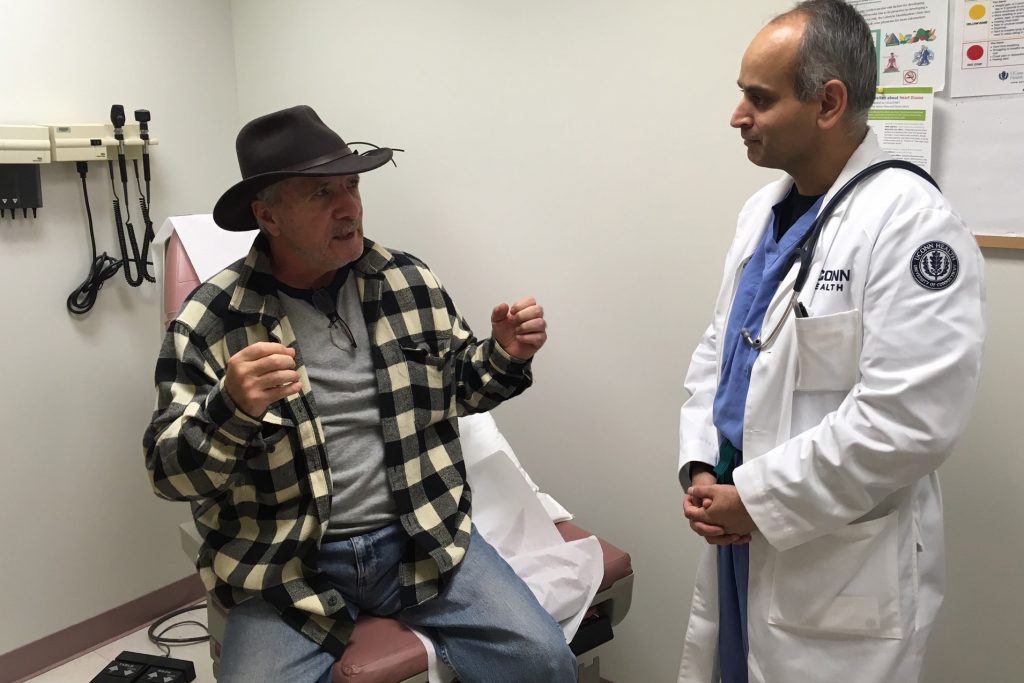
143	118
125	225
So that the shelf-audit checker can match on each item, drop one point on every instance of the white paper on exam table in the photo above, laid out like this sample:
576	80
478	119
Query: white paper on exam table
209	247
564	576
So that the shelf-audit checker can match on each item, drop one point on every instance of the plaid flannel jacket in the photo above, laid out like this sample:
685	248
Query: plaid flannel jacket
261	490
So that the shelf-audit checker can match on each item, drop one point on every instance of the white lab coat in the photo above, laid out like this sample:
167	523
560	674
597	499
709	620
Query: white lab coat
849	414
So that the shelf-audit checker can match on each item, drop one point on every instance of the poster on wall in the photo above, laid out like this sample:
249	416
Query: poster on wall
911	40
989	35
902	120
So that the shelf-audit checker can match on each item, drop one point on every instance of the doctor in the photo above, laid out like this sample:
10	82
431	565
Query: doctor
811	438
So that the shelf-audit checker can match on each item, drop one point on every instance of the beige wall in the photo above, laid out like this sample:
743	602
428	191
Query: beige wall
81	532
578	151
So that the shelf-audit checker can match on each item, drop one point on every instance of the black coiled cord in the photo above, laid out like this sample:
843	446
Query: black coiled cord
125	226
165	642
147	237
101	268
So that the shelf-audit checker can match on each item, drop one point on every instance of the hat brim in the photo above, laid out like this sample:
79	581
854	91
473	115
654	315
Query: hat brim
233	211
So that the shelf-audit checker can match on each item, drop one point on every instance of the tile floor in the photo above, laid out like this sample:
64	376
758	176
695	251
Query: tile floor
86	667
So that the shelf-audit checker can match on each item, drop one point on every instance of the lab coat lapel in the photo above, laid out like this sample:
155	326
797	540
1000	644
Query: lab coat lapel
752	223
868	153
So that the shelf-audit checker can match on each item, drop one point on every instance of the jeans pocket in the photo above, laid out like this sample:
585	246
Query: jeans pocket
845	582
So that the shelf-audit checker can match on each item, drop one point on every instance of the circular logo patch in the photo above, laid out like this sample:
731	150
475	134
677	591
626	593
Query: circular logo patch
935	265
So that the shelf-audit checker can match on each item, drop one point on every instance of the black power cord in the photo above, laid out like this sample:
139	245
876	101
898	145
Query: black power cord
164	642
101	268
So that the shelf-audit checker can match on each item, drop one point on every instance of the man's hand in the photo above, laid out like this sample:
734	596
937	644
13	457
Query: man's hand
694	507
711	506
521	330
259	375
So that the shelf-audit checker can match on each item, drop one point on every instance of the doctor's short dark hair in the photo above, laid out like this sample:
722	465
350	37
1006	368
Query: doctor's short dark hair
837	44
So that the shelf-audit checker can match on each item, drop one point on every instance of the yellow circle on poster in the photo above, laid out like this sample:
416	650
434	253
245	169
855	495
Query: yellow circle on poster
976	12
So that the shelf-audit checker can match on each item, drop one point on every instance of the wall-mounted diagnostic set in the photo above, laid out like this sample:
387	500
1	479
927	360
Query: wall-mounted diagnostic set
23	149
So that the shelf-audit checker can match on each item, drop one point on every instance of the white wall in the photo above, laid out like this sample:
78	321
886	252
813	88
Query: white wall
577	151
82	532
580	151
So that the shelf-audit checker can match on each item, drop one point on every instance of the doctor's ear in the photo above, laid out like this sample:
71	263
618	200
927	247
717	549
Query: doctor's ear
834	99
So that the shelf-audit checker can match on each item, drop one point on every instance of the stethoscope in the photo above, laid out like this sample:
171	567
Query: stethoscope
805	251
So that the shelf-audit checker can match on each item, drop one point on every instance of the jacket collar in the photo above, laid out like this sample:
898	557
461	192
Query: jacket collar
375	258
256	290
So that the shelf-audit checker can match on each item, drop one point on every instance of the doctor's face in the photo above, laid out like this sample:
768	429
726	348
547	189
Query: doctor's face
778	130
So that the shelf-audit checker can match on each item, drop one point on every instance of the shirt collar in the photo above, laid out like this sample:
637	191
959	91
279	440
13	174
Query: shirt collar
256	283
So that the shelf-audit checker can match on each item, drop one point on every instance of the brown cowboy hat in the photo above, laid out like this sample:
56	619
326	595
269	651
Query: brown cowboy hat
287	143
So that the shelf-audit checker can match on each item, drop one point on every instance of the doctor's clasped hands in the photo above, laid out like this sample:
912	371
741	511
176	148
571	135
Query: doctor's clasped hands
716	512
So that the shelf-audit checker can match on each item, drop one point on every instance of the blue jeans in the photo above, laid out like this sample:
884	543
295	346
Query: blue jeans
486	624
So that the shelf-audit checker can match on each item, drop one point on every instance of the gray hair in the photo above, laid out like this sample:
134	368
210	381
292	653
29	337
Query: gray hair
837	44
269	195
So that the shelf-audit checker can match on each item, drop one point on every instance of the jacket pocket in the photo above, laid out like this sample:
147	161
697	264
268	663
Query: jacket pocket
846	582
828	351
271	466
430	384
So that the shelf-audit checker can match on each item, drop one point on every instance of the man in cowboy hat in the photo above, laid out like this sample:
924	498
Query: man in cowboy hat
307	409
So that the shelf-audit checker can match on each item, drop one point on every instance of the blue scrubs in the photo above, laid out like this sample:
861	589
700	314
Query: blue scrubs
758	283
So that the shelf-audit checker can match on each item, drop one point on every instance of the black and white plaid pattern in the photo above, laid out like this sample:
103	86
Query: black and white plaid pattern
260	489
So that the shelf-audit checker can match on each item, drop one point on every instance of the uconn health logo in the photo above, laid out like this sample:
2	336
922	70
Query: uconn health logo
934	265
833	280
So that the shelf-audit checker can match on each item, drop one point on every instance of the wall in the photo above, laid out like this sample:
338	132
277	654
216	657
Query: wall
580	152
82	531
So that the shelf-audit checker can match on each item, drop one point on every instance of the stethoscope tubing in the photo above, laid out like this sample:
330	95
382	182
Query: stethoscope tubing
805	251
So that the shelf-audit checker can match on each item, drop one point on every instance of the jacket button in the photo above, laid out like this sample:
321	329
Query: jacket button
332	601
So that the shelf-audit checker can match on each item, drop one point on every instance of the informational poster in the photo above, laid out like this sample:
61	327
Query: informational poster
911	40
989	35
902	120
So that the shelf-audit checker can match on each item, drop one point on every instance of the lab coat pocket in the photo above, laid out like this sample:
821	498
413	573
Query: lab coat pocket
828	351
846	582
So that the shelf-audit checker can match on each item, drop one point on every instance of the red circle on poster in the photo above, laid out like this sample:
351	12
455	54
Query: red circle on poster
975	52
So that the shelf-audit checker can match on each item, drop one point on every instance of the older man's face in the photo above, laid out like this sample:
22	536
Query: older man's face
315	227
778	130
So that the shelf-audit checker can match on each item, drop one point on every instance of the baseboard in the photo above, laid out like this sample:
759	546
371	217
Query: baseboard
53	650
